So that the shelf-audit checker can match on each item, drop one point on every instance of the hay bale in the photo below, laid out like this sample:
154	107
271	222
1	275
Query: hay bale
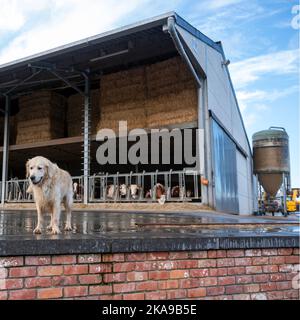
75	113
41	117
12	130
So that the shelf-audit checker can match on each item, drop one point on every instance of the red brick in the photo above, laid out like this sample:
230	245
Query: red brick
25	294
114	257
3	295
207	282
253	253
253	269
177	274
178	255
199	273
143	266
222	272
284	285
292	259
235	253
278	277
242	261
296	251
134	296
137	276
286	268
259	278
102	268
162	265
11	262
114	277
212	254
221	253
110	297
146	286
285	251
158	295
269	252
64	280
196	293
241	297
291	294
89	258
22	272
66	259
37	260
189	283
13	284
256	261
135	257
76	269
107	289
244	279
234	289
168	284
236	270
224	281
76	291
187	264
38	282
124	267
124	287
270	269
157	255
90	279
208	263
176	294
159	275
50	271
215	291
226	262
198	254
271	286
50	293
275	295
277	260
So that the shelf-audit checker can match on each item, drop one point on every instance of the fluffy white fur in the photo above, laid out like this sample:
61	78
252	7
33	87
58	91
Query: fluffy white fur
50	186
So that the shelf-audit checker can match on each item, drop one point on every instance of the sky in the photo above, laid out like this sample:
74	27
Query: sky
260	38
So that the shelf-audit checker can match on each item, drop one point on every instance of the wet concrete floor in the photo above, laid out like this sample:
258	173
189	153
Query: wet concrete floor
105	224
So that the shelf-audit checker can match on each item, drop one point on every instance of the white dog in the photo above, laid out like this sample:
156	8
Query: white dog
50	186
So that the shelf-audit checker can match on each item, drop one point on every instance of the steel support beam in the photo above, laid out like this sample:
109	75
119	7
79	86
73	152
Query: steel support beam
86	139
5	149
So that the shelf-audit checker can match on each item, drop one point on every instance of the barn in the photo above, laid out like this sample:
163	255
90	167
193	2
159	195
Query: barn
157	76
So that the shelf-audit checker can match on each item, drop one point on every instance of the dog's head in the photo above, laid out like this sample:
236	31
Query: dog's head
38	169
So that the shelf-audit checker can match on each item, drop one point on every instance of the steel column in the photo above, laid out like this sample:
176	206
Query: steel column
5	149
86	140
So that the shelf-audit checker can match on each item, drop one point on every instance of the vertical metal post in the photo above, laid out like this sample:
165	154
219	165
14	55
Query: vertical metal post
86	140
284	193
5	149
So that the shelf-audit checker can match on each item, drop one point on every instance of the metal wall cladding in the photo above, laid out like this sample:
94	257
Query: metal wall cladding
225	171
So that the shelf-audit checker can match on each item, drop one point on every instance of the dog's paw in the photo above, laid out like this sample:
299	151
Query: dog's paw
68	228
37	230
55	230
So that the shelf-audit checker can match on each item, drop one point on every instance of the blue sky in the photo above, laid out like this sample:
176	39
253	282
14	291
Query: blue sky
257	37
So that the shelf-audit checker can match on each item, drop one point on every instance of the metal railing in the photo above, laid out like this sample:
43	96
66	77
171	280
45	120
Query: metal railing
186	181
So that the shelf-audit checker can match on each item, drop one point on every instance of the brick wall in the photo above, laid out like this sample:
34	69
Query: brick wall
222	274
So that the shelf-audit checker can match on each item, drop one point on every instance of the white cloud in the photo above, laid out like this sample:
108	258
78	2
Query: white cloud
217	4
67	21
278	63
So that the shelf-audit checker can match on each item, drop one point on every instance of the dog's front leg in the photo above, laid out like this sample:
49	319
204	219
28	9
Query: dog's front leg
49	227
55	219
38	229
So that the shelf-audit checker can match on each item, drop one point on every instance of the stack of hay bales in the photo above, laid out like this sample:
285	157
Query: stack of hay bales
75	113
12	130
123	99
172	94
41	117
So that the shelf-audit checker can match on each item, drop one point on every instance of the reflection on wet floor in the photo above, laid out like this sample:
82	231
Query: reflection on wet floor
22	223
